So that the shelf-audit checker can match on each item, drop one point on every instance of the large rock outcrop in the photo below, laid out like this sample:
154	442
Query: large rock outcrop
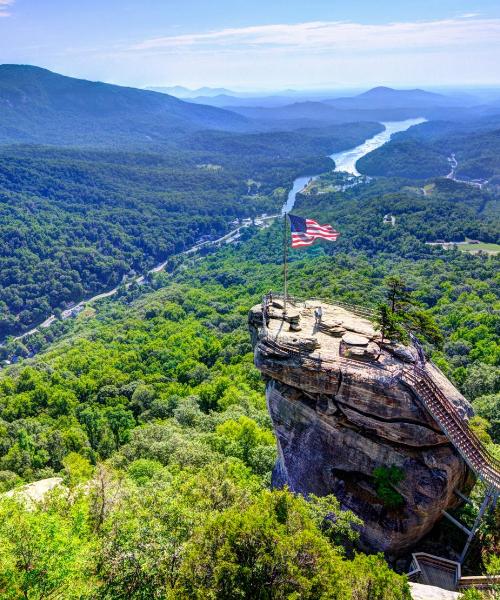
340	410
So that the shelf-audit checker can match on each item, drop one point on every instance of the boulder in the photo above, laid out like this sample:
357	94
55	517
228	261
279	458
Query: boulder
404	353
341	411
370	351
36	491
300	342
354	339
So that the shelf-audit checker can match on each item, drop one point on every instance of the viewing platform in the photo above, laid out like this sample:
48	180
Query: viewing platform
344	402
345	335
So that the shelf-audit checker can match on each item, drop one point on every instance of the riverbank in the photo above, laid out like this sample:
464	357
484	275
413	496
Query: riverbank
345	161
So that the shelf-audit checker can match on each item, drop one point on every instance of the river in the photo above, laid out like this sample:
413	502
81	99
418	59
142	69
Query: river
346	160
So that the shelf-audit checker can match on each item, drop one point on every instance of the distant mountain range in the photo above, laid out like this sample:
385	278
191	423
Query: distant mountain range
385	97
377	104
180	91
41	107
378	97
209	92
227	101
38	106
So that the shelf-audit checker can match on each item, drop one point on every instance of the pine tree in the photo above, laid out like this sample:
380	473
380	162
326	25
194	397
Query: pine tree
389	324
397	294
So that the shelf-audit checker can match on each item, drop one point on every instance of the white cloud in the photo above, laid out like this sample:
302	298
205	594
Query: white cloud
337	36
4	4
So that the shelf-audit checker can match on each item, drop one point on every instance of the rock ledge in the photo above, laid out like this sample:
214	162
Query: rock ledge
340	411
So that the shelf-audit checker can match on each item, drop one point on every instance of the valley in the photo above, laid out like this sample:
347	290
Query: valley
137	232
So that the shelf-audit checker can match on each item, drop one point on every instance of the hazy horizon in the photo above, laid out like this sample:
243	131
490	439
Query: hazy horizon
297	90
259	47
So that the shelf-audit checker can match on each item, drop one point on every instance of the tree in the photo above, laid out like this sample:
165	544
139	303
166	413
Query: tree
481	380
386	478
422	323
401	315
274	549
241	438
389	324
488	406
43	550
77	469
397	293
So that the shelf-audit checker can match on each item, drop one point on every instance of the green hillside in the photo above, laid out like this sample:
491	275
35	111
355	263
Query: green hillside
423	152
74	222
41	107
160	385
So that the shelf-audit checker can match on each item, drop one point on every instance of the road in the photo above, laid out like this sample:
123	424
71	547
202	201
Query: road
453	166
451	175
227	238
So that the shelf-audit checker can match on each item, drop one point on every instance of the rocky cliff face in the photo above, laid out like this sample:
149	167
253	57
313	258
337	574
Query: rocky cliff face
339	411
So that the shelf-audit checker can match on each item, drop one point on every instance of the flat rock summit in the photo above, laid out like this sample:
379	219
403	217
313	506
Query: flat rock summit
341	409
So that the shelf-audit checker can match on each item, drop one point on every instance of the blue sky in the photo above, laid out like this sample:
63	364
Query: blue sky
256	44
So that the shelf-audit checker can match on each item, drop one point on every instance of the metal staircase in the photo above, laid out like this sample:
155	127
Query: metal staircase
476	455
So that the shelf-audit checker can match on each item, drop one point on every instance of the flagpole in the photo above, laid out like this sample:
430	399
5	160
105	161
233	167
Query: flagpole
285	261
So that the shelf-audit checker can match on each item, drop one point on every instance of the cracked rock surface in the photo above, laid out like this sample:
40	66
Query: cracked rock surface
339	411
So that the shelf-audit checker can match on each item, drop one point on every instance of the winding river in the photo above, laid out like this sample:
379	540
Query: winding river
346	160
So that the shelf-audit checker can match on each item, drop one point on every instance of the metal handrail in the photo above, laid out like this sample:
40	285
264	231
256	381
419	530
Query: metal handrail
444	400
326	357
483	462
356	309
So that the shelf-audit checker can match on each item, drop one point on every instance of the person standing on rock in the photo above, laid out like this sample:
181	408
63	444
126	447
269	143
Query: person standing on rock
318	313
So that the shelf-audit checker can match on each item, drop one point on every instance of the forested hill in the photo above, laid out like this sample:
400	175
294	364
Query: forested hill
74	222
159	391
423	151
38	106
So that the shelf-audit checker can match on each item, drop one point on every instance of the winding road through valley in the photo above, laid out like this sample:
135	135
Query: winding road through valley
344	161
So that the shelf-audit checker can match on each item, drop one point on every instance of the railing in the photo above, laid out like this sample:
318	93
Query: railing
356	309
414	575
434	570
483	582
477	456
456	429
321	359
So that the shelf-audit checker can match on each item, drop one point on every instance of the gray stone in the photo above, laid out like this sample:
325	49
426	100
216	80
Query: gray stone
337	420
300	342
334	331
371	351
36	491
354	339
404	353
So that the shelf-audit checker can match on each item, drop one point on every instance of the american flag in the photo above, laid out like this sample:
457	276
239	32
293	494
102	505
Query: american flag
306	231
